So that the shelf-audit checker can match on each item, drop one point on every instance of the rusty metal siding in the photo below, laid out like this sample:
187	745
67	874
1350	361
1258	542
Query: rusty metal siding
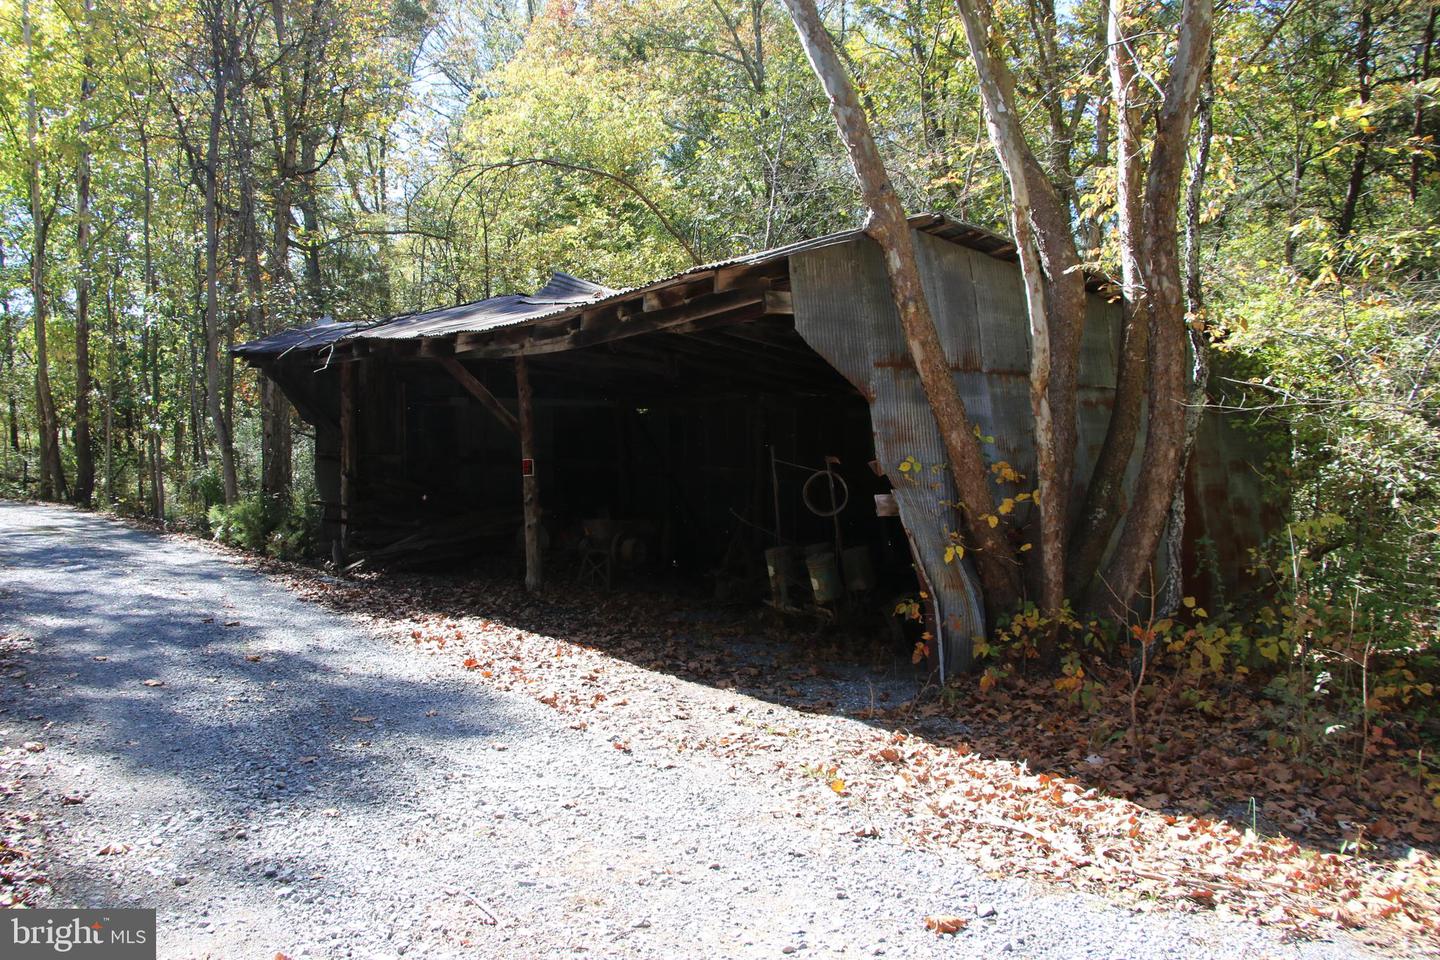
843	309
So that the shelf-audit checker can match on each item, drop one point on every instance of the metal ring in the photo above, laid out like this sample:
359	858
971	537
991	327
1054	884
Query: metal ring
841	502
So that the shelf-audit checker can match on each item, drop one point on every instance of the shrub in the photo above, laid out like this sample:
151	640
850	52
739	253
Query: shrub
275	526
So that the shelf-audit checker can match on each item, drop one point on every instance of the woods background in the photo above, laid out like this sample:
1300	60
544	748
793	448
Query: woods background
176	177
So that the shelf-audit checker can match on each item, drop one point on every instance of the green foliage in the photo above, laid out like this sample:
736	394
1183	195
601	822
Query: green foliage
275	526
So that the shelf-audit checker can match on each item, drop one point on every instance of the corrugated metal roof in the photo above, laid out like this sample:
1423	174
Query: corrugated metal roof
509	311
562	292
301	338
566	295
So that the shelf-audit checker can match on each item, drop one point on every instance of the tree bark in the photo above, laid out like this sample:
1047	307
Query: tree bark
1417	127
1355	185
1172	592
7	358
84	455
52	471
1159	262
150	356
1104	499
111	353
1022	172
887	226
213	401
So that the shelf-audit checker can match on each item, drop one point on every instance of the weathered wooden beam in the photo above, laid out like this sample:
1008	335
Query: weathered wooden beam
530	483
437	347
704	311
779	302
348	454
477	390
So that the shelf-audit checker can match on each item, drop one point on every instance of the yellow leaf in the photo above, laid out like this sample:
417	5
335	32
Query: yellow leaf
993	520
837	785
1007	505
1189	601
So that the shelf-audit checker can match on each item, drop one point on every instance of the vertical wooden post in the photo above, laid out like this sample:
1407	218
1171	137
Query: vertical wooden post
531	482
347	452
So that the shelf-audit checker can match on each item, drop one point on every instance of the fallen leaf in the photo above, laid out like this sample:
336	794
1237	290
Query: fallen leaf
113	849
946	924
363	719
253	657
152	682
837	785
32	746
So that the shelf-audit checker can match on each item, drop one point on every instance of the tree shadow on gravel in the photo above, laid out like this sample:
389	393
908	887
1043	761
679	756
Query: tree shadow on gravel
229	701
1200	766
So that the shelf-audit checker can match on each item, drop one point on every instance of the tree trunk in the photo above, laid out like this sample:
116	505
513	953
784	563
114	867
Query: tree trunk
1008	140
7	358
52	471
213	401
1159	260
113	350
151	356
887	225
1104	499
1355	185
274	408
84	455
1172	592
1417	128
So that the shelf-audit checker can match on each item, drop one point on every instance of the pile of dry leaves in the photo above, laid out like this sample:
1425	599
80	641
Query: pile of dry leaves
21	876
1022	786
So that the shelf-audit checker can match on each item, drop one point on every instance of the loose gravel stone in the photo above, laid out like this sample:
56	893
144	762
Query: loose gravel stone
343	796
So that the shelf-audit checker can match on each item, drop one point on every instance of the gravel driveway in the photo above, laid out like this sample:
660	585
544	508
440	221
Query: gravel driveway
277	779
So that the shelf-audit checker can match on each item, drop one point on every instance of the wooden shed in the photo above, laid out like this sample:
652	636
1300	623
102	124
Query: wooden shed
709	424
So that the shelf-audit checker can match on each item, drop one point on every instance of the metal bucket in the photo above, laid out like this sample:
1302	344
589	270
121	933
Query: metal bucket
824	575
783	566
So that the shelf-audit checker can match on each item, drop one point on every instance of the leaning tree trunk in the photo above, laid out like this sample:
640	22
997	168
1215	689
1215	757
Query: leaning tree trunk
887	226
1159	261
1054	307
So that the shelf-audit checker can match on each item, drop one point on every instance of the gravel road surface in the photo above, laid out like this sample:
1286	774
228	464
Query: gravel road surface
272	777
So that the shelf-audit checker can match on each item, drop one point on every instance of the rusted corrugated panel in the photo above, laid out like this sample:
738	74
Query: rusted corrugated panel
844	310
1229	465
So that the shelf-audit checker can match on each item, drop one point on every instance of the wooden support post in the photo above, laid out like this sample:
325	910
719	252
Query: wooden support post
531	482
348	452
